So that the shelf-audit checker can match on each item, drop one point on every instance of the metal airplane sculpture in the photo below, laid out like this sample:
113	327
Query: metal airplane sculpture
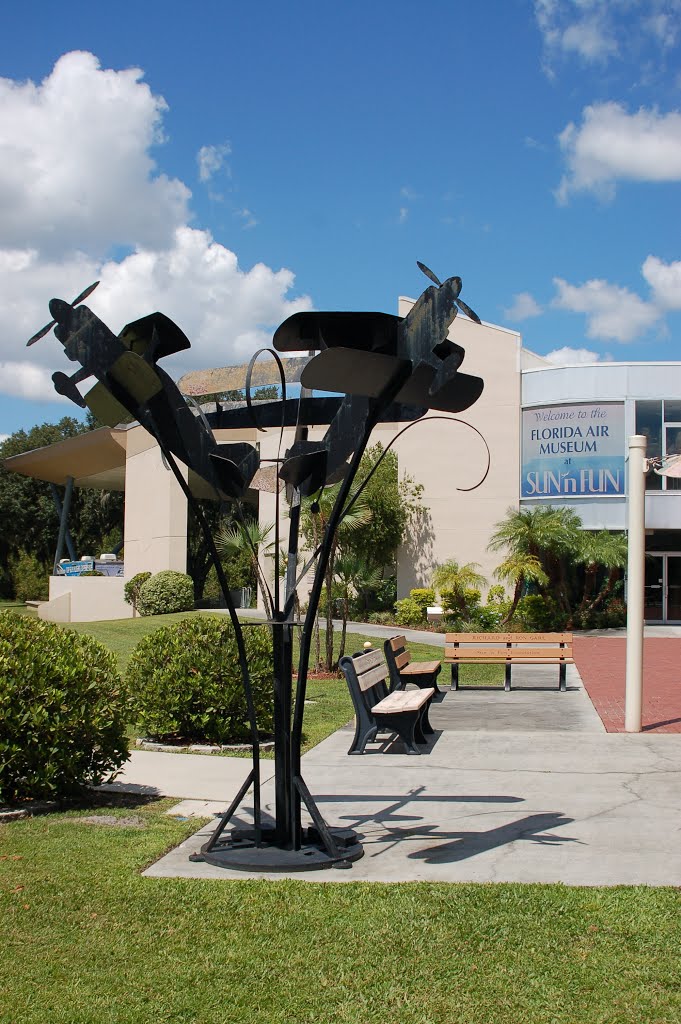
386	369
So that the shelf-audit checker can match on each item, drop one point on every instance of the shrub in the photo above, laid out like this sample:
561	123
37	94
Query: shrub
30	578
408	612
382	618
486	619
424	597
383	596
496	595
131	590
539	613
187	682
63	710
166	592
92	572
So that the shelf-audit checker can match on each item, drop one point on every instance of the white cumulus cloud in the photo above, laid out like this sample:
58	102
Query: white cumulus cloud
77	181
24	379
612	312
597	31
665	281
612	145
523	307
211	159
567	356
75	163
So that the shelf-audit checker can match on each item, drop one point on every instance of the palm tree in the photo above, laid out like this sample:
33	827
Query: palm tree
314	525
549	534
352	573
520	569
457	579
609	551
251	537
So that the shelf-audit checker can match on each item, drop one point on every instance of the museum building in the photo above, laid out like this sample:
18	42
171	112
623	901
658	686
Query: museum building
556	435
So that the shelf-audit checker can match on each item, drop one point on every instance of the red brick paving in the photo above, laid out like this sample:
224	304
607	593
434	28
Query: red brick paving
601	664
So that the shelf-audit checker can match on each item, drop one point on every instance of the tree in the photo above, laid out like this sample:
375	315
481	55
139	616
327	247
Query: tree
519	569
457	580
395	503
352	573
28	514
549	534
602	550
251	539
314	519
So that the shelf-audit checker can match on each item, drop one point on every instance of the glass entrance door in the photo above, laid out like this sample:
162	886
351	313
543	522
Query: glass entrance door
673	602
663	588
654	589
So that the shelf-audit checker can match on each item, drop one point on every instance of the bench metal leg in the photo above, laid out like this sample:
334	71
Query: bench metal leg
562	678
404	724
455	676
363	735
507	676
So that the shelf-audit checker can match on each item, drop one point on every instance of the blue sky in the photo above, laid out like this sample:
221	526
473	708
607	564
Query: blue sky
230	164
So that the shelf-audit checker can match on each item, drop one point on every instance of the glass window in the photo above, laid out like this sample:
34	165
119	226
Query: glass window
673	447
649	423
672	410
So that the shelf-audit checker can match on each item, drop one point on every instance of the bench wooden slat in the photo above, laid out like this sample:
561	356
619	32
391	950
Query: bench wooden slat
375	675
369	660
402	660
459	653
500	654
403	700
419	668
506	638
398	642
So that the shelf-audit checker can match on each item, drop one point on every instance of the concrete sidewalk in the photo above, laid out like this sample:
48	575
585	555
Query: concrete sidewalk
521	787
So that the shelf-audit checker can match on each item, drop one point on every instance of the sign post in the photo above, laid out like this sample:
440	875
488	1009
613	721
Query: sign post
638	466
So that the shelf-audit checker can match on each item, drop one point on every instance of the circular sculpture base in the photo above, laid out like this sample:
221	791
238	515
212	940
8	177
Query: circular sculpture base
238	852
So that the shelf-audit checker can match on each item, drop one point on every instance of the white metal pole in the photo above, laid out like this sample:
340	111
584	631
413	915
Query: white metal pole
636	582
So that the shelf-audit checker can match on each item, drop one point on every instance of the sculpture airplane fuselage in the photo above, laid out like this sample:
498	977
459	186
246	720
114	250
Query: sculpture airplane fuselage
131	383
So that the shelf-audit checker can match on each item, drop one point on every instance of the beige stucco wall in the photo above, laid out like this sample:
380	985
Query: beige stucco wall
155	510
443	456
85	599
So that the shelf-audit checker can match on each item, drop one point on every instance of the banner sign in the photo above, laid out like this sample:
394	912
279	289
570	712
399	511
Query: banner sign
76	568
573	451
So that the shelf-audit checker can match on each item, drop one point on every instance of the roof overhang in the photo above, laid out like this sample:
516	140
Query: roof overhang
95	459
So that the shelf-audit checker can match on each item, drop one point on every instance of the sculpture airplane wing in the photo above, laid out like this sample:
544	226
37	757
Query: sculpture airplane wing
361	353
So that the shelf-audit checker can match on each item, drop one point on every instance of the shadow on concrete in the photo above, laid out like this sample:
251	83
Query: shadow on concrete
392	744
532	829
399	803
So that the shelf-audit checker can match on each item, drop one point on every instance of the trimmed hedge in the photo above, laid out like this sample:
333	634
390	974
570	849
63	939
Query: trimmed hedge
166	592
63	711
132	587
187	682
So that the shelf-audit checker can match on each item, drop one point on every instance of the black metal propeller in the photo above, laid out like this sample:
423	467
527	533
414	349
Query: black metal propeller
463	306
79	298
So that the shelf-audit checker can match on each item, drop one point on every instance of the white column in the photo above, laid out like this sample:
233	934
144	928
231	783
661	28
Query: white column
636	581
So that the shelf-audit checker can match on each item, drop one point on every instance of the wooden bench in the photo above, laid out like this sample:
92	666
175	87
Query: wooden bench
403	670
509	649
402	711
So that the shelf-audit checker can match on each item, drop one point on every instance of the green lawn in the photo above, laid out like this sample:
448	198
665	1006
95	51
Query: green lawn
87	940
